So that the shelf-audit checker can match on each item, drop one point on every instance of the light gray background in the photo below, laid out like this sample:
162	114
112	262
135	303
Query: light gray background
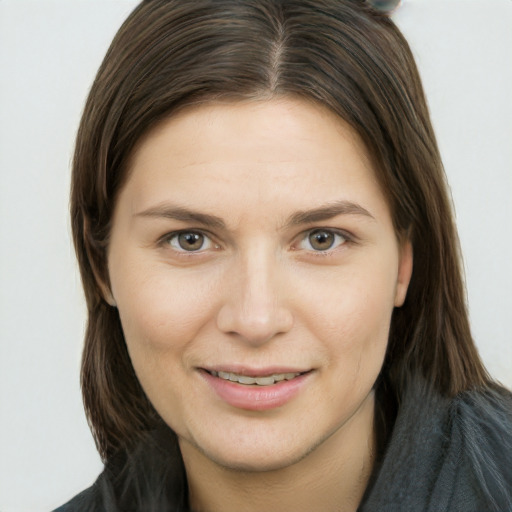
49	52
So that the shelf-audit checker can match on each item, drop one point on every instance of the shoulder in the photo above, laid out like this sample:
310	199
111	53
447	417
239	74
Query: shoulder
150	476
447	454
481	423
84	502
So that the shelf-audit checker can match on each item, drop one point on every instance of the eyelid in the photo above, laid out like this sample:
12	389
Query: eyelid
165	240
348	238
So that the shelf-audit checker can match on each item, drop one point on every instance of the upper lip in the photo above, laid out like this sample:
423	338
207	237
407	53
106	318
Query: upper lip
253	371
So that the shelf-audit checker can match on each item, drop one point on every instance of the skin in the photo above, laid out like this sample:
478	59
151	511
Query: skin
259	292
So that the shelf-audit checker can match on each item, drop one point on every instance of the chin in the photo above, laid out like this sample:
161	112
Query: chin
254	461
254	454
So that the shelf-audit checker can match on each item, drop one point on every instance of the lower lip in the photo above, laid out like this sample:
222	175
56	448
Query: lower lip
256	398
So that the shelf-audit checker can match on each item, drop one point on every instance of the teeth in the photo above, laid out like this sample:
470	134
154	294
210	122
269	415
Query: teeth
265	381
246	380
260	381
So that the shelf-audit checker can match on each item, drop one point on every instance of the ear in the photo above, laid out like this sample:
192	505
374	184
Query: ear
405	265
94	258
106	292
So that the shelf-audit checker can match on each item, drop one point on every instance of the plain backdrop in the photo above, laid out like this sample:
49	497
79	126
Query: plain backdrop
49	52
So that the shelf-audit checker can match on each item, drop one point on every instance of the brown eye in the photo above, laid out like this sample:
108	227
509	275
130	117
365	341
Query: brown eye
322	240
189	241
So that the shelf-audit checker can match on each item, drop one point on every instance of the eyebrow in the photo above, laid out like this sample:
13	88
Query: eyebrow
183	214
321	213
327	212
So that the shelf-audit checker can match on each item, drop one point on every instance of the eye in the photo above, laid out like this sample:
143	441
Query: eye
322	240
189	241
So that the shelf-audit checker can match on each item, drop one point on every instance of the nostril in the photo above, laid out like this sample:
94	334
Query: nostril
253	326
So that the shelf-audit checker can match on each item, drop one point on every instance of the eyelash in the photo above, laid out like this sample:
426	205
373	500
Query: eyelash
346	238
167	240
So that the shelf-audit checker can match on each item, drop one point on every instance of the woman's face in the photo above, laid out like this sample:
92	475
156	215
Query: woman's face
255	268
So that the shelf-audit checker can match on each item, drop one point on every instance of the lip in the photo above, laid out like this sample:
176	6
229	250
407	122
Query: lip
256	398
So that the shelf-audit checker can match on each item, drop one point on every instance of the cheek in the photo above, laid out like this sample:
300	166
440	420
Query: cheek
161	310
353	318
162	315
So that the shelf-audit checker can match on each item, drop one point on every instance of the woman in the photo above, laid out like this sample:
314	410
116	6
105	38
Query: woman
272	272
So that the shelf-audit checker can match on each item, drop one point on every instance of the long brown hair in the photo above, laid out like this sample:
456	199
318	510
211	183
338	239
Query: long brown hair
339	53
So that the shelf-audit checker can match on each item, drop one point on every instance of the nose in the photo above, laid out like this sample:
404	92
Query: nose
254	307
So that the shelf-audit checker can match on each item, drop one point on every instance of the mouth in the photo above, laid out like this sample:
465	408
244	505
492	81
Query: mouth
263	380
257	390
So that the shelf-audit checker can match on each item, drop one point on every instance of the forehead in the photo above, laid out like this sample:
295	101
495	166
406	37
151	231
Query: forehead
250	122
260	151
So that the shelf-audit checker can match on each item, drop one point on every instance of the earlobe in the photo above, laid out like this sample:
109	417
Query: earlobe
404	272
109	298
105	290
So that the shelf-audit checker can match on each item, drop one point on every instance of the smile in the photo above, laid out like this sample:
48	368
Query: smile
256	392
267	380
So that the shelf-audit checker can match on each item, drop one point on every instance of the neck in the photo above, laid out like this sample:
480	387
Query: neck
331	478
